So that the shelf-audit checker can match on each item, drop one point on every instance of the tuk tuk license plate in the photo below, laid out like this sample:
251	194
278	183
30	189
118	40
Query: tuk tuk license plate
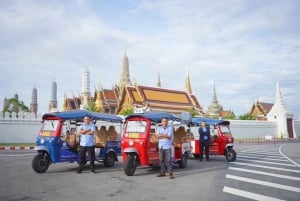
133	135
45	133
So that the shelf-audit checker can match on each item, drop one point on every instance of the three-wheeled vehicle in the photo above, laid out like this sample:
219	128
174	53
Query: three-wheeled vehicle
58	140
140	143
221	140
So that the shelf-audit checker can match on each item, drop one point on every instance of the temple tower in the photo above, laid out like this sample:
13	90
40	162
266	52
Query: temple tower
85	92
214	108
125	78
284	118
188	85
158	80
34	104
53	99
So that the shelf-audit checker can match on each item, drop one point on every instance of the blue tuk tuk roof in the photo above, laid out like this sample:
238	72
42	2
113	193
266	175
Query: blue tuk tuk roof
80	114
155	116
210	121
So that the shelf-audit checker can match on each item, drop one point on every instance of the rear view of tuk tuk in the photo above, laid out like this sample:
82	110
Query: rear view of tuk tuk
58	140
140	142
221	139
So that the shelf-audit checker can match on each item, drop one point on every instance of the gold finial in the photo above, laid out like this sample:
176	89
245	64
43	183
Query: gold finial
188	83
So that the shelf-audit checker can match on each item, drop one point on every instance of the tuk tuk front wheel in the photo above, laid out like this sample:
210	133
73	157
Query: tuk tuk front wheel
183	162
40	163
130	166
110	159
230	155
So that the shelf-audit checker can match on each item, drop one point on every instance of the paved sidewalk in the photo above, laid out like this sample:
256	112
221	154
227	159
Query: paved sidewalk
292	151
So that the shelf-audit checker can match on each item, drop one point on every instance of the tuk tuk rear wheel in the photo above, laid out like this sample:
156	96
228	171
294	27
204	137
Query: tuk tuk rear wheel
110	159
40	163
183	162
129	166
230	155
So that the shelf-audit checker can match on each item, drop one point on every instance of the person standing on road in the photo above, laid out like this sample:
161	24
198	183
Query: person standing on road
204	140
87	131
165	141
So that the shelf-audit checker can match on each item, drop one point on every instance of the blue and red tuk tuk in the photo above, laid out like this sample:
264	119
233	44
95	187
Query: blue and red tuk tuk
140	143
58	140
221	139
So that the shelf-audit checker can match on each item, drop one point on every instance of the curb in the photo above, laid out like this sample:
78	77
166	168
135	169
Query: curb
16	148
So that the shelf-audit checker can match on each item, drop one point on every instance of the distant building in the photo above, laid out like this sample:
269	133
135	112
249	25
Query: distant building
215	109
260	110
34	103
53	99
125	95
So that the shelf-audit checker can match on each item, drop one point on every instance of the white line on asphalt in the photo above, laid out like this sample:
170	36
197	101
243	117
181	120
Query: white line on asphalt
285	156
268	159
246	194
268	162
14	155
260	152
259	155
265	173
264	183
267	167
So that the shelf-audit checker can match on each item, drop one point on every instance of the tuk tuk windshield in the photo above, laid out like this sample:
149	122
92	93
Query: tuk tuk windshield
50	125
225	130
136	127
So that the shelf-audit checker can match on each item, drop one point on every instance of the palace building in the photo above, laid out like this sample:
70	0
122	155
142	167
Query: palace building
126	95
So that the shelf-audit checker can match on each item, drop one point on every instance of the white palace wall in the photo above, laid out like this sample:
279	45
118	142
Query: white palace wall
24	128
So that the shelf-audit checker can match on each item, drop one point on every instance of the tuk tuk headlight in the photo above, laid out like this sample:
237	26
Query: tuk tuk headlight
42	140
229	140
131	142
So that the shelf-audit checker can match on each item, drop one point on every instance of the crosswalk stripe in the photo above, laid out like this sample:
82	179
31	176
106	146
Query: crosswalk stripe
269	159
261	152
268	162
265	173
264	183
262	155
267	167
246	194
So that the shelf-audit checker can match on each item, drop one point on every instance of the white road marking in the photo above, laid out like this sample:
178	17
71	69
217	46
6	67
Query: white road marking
264	183
268	162
267	167
269	159
14	155
246	194
285	156
265	173
257	155
260	152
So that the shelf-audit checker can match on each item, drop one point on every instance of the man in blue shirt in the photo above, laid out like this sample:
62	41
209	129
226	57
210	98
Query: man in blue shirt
204	140
87	131
165	141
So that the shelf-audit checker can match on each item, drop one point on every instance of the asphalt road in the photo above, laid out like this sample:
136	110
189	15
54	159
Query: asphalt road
260	172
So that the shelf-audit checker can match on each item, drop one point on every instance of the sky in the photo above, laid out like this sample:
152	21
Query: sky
243	46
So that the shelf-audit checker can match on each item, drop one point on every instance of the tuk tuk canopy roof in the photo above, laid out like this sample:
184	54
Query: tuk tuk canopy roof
155	116
199	120
80	114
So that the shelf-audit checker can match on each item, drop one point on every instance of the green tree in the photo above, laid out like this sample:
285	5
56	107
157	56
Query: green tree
92	107
193	112
246	116
126	112
14	105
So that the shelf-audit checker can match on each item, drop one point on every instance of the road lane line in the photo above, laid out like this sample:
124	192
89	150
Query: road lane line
260	152
267	167
257	155
263	183
265	173
269	159
249	195
268	162
14	155
285	156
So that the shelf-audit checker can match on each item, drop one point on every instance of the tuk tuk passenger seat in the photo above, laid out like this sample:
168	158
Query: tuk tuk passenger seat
179	134
100	137
111	133
71	140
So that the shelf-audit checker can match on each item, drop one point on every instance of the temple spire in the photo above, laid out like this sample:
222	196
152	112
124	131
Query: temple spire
279	107
125	78
188	83
158	80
